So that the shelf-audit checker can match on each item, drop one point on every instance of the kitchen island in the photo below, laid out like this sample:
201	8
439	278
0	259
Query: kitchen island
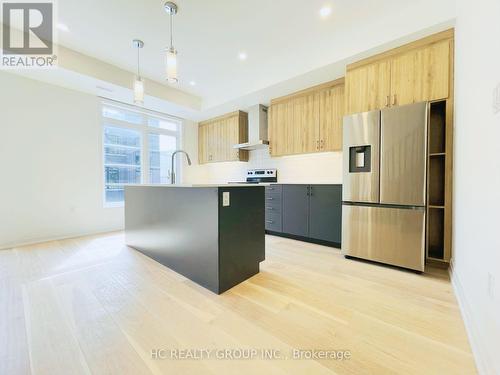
211	234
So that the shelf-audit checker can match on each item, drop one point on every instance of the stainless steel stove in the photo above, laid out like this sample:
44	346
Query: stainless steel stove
256	176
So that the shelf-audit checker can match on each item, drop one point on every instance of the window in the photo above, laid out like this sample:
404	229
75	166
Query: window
137	148
122	161
160	153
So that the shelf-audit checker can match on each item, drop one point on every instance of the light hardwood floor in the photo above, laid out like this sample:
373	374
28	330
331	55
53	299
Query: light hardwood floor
93	306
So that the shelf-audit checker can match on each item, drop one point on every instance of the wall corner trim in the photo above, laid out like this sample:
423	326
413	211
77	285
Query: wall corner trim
480	354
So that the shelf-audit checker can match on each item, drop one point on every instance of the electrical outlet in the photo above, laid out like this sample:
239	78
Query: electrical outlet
491	286
225	199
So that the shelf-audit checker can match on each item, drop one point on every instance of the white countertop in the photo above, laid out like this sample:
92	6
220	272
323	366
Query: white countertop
200	185
230	185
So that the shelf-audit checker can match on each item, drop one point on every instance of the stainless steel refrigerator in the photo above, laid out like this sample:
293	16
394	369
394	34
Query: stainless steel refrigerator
384	187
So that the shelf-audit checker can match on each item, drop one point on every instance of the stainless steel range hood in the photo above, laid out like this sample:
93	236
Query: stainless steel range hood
257	129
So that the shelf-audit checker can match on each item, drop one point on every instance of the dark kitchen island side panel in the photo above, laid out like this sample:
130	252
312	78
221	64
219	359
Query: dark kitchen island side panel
191	231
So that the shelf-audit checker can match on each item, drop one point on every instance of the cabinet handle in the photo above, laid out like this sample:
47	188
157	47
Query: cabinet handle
394	102
322	144
269	208
270	199
310	191
317	145
387	101
269	221
270	188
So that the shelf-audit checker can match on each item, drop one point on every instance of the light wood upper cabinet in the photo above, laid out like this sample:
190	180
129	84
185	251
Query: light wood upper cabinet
419	71
331	110
421	74
219	144
368	87
207	147
304	129
307	121
216	138
280	124
212	141
203	156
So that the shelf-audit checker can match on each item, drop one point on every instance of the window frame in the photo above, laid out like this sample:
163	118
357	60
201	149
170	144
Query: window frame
144	129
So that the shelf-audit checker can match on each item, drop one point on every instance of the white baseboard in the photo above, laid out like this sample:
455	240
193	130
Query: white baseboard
479	352
57	238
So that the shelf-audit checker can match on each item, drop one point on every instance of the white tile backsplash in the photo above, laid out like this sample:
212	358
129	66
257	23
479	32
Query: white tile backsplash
319	168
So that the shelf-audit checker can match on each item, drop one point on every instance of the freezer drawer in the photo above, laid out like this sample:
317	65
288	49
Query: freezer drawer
393	236
403	155
361	157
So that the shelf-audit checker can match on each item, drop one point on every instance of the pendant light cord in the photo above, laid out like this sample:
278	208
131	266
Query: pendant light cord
171	30
138	69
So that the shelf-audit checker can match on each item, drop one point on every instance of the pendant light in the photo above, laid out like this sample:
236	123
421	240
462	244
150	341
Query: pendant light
138	81
171	52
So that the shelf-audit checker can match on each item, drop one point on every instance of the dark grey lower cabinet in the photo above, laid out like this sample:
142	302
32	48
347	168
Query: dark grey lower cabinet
309	212
296	210
325	212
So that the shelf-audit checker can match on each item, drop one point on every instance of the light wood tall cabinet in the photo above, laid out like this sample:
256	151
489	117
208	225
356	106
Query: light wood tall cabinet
413	73
216	138
307	121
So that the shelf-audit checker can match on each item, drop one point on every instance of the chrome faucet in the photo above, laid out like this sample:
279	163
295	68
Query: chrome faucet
172	173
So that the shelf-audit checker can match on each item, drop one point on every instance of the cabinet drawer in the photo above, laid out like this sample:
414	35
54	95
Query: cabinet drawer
273	222
273	197
273	208
273	201
274	189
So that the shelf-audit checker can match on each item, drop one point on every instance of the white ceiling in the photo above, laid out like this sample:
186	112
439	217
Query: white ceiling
282	38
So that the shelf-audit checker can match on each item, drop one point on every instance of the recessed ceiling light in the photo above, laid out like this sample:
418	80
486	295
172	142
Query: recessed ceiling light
325	11
242	56
192	83
62	27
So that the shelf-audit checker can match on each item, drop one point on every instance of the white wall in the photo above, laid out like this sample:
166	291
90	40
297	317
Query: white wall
51	169
477	177
309	168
